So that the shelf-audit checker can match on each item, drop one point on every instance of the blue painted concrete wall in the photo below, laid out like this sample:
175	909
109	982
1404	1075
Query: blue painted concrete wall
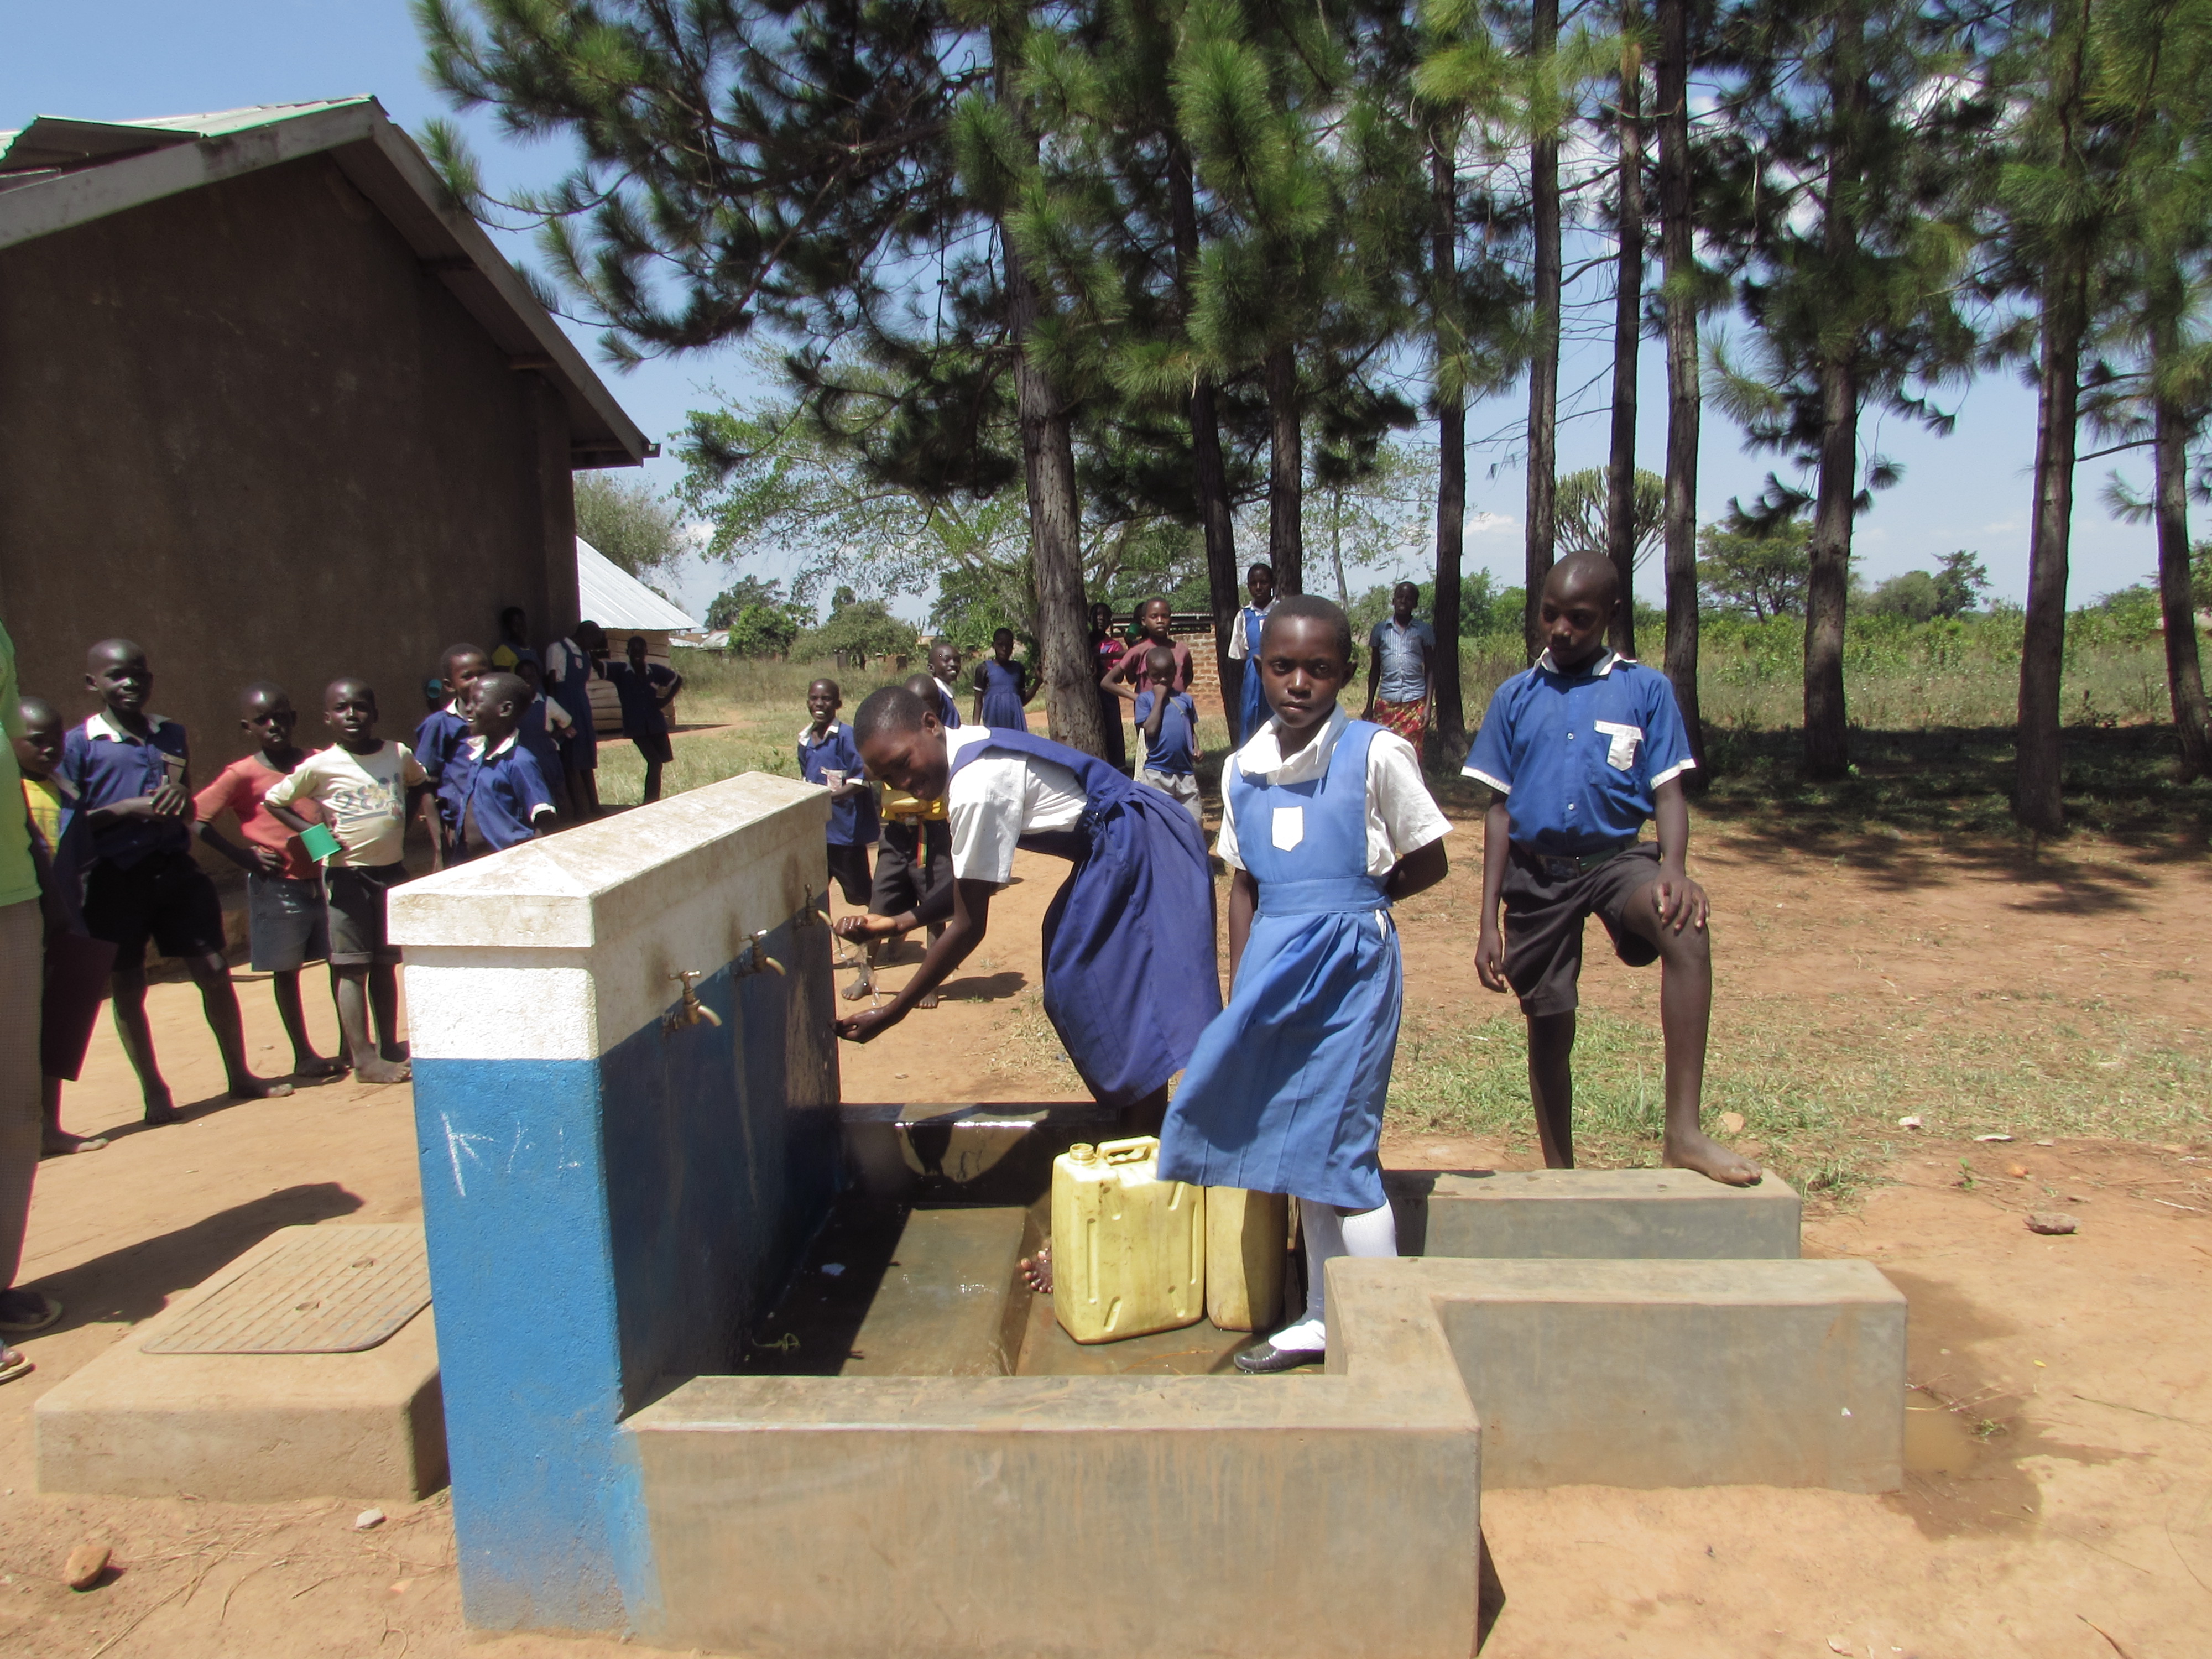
599	1229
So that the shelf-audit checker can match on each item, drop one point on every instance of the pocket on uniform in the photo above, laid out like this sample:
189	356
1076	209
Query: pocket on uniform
1289	827
1621	753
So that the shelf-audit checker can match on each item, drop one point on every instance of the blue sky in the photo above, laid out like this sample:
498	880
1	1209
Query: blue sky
117	59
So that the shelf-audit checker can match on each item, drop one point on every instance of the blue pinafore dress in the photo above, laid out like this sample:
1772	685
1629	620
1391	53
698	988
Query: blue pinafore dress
1253	701
1284	1093
1002	697
1129	977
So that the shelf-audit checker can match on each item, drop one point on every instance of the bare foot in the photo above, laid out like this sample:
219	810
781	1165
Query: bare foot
1037	1269
314	1066
160	1107
382	1071
928	1000
250	1087
856	990
1701	1153
60	1144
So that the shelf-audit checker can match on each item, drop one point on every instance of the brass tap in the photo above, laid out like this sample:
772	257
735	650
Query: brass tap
689	1010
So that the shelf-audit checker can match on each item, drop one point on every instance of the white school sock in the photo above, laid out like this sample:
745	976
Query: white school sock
1371	1232
1328	1236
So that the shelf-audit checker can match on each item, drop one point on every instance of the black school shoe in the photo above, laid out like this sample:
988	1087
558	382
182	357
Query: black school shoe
1270	1361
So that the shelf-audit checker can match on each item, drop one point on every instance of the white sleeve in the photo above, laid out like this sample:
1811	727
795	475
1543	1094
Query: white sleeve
1399	805
293	786
984	808
1225	844
1236	639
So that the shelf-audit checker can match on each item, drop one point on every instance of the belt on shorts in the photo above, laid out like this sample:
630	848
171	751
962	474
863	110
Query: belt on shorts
1554	864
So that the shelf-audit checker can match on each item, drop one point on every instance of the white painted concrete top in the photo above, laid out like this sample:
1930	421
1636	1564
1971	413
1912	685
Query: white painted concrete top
560	949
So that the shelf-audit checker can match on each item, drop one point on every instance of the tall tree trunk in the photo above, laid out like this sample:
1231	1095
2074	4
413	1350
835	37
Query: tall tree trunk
2037	799
1678	247
1450	347
1048	475
1827	731
1213	476
2184	670
1828	726
1627	335
1287	541
1544	360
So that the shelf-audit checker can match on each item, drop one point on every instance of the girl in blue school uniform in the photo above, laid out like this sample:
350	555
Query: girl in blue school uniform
1129	976
1002	686
1244	647
1325	822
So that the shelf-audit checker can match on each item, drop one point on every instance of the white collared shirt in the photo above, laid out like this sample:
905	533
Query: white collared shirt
996	799
1401	815
475	746
1237	652
101	727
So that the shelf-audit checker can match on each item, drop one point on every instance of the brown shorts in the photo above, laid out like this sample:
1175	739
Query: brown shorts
1545	902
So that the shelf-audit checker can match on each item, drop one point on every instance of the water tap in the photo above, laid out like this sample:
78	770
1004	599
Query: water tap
691	1011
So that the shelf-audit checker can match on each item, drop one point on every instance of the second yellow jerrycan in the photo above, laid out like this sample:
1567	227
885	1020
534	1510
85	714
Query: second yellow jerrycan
1247	1238
1128	1249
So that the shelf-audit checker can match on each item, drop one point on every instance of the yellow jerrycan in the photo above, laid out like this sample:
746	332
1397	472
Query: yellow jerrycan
1128	1249
1246	1235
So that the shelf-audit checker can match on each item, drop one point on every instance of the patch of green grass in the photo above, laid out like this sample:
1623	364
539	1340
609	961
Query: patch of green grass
1821	1095
707	757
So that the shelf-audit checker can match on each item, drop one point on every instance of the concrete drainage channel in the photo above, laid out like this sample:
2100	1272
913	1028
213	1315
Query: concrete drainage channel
666	1414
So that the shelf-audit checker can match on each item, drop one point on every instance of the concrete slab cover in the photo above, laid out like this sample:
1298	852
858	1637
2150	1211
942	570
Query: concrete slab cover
1673	1373
326	1290
1539	1214
251	1428
1091	1516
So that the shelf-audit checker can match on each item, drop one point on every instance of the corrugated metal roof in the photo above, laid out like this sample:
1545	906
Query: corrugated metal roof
57	173
609	596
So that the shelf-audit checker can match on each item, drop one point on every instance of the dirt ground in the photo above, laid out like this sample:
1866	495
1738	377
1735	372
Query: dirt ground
2060	1499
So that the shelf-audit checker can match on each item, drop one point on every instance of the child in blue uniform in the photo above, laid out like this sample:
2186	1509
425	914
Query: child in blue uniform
1578	751
442	732
1325	821
825	746
1002	686
1168	722
1326	824
944	675
500	798
1244	647
1129	977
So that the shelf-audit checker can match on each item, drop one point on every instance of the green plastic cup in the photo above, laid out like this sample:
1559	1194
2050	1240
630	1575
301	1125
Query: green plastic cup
321	843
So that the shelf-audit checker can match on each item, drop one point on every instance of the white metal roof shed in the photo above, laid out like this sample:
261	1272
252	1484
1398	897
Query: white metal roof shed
612	597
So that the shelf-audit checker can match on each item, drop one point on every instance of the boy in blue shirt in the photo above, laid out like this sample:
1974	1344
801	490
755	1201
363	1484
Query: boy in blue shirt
500	796
441	735
1579	750
1168	722
828	756
130	771
645	690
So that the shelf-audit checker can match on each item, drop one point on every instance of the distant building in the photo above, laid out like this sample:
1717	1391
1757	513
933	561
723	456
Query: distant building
276	408
609	596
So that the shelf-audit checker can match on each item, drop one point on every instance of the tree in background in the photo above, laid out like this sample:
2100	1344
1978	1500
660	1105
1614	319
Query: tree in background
857	632
1585	515
1756	571
1851	186
1961	580
1625	545
632	525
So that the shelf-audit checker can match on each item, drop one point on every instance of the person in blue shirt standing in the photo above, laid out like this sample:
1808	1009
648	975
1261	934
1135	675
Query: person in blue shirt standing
1578	752
1244	647
828	756
501	796
1168	722
646	690
944	674
441	735
130	771
1402	673
1002	686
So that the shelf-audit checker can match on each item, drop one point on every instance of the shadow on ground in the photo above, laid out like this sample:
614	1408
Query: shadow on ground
137	1281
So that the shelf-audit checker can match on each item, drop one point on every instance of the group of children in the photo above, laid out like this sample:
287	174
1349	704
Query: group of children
322	835
1326	822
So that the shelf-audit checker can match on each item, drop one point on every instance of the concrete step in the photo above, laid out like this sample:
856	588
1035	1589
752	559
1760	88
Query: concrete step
1540	1214
1670	1373
249	1428
930	1154
889	1292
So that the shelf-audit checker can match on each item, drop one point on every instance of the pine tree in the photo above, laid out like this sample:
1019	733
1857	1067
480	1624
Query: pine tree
1627	323
1546	117
1684	297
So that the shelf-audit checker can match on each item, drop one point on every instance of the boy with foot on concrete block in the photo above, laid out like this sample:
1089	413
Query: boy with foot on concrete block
1325	823
1167	721
363	786
286	927
501	797
828	756
130	771
1579	751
